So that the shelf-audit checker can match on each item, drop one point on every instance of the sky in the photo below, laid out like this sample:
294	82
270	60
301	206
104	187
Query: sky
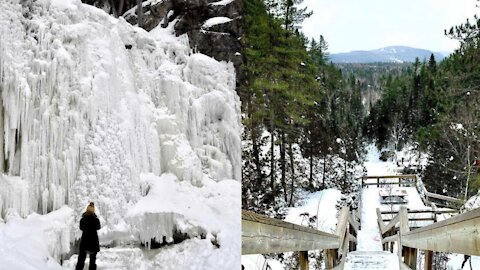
349	25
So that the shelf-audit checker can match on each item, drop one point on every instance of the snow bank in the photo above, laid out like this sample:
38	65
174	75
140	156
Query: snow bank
37	241
94	109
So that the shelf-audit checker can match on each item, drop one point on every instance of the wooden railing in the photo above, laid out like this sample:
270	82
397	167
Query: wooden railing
262	235
458	234
411	180
433	214
400	180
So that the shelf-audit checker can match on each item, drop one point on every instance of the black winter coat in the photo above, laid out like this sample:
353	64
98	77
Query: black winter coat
89	224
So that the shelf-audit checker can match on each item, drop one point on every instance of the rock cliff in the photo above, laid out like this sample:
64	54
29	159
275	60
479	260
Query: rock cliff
214	28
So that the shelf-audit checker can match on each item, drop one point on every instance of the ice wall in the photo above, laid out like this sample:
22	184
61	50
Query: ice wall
90	103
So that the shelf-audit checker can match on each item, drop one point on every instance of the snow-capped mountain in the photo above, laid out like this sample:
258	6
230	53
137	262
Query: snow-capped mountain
393	54
95	109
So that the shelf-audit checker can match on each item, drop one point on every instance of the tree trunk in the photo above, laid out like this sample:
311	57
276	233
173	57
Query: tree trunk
283	165
324	170
272	165
311	169
345	177
120	7
114	8
255	146
139	13
292	168
311	160
2	132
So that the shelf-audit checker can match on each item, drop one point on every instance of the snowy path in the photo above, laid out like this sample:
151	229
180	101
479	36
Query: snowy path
369	254
369	238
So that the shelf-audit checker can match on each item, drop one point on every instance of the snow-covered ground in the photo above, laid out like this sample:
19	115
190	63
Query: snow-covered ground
259	262
321	204
374	165
94	109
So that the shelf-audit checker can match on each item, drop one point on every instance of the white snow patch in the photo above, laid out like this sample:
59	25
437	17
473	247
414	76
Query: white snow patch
456	260
222	3
321	204
215	21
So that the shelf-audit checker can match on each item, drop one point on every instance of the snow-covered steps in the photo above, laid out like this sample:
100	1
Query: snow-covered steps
371	260
369	240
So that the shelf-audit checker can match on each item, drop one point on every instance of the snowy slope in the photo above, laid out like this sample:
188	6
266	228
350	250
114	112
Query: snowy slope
321	204
94	109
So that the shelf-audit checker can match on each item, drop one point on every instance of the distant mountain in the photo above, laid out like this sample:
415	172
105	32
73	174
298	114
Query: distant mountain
393	54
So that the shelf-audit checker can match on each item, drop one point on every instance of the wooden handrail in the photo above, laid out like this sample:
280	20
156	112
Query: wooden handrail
379	220
393	238
413	219
391	224
443	197
458	234
384	177
403	176
353	222
426	211
261	235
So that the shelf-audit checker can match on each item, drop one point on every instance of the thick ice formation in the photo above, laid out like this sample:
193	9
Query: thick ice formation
93	108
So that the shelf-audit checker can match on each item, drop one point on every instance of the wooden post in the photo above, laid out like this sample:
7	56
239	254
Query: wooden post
410	257
404	228
330	258
399	182
385	245
428	260
378	182
406	255
352	246
413	258
392	243
303	260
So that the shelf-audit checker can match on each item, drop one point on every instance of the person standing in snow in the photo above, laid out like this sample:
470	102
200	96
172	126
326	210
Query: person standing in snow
89	224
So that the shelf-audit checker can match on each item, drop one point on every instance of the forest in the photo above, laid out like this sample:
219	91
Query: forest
307	121
302	117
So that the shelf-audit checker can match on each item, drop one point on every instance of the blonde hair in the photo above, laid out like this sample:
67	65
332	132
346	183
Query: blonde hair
91	208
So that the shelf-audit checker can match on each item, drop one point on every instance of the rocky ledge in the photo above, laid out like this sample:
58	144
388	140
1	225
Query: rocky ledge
214	27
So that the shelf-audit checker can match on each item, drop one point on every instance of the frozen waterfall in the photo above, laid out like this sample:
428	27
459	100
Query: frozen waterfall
150	133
